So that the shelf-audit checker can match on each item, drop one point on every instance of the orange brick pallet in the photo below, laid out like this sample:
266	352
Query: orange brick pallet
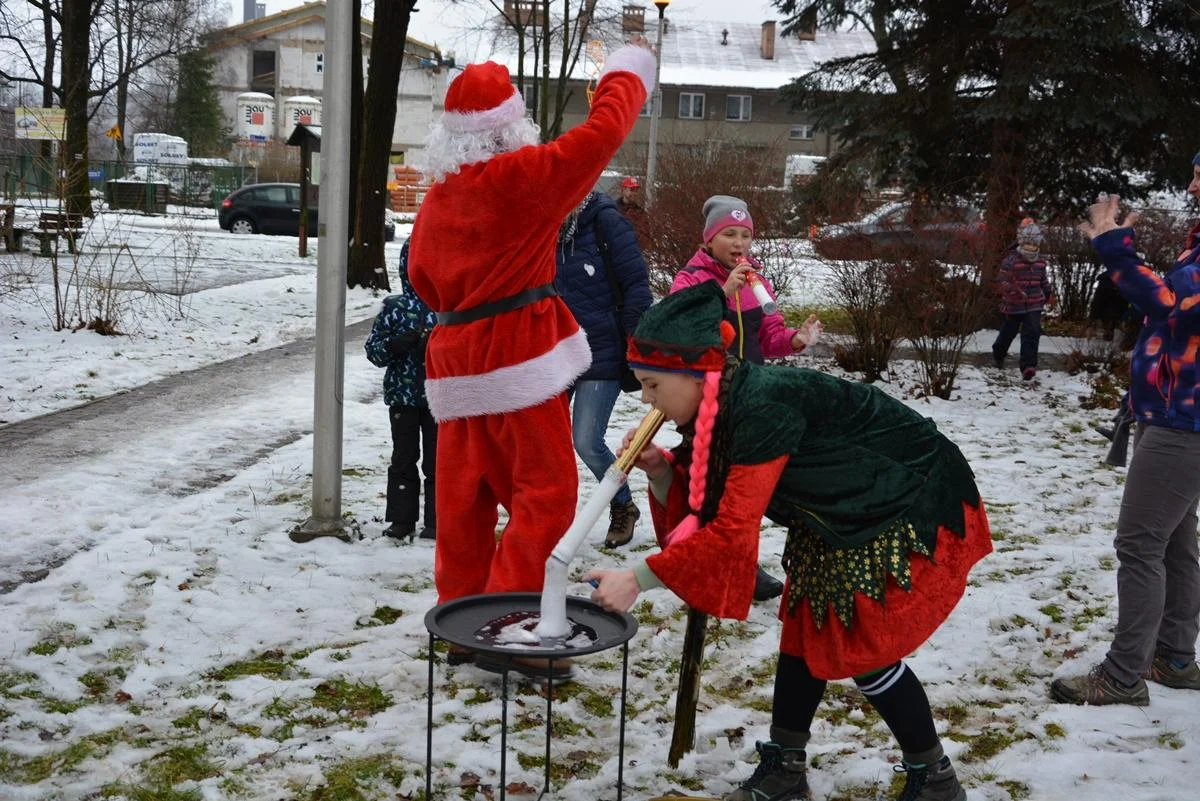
407	189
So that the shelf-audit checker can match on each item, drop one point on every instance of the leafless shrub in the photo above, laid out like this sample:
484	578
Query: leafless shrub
687	176
940	307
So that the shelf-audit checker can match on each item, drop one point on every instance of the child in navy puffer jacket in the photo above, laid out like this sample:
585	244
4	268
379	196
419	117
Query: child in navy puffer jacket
397	342
1025	292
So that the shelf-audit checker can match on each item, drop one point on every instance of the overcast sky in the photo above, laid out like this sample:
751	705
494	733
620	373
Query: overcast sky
433	16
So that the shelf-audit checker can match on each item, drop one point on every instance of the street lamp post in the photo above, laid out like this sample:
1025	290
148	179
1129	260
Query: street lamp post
656	105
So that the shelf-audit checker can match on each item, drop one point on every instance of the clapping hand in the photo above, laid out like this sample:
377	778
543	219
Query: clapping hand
1102	217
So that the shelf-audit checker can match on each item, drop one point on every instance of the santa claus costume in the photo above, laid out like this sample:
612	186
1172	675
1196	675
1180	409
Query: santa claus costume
506	347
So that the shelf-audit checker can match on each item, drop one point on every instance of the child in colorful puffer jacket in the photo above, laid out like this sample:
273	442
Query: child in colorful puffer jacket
397	342
1025	292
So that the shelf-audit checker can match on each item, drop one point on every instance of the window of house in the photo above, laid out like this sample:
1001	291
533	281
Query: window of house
320	63
647	106
800	132
737	107
691	106
264	63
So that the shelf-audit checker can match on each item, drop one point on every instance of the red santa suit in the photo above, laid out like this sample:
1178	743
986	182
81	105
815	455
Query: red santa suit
506	347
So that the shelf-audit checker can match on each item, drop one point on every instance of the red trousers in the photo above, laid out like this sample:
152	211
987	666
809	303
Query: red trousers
523	461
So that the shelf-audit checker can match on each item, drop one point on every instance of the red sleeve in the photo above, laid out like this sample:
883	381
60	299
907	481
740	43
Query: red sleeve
713	570
666	518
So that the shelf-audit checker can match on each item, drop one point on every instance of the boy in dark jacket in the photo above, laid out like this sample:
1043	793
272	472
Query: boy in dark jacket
397	342
1024	293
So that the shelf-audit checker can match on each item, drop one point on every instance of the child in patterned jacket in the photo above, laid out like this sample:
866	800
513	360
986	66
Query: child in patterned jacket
1024	293
397	342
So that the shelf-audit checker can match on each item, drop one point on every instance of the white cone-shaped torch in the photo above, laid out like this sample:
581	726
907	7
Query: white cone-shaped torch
760	290
553	622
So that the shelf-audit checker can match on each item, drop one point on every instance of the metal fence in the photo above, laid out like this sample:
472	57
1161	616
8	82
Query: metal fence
205	185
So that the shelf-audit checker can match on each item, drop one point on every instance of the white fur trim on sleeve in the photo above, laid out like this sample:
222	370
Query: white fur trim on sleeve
474	121
637	60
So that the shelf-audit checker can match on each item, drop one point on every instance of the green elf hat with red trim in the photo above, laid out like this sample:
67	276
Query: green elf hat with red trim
685	332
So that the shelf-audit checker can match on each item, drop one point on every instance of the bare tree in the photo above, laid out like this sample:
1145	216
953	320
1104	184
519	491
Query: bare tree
366	266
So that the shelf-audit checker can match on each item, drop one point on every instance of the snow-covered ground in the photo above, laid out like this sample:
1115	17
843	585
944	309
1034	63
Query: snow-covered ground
181	646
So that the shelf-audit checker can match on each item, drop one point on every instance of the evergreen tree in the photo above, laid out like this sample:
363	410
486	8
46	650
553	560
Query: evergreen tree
197	116
1038	103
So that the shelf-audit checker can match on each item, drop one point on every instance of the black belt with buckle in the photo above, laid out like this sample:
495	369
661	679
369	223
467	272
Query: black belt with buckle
491	309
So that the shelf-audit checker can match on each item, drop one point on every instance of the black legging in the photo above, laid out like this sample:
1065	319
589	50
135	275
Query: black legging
895	692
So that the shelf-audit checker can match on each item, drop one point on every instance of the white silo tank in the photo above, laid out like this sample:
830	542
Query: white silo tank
255	117
299	110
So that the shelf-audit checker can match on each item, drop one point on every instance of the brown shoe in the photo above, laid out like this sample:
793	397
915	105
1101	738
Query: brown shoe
1097	687
558	669
1163	671
623	519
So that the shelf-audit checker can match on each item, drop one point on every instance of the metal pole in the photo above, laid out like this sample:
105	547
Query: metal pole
655	110
333	236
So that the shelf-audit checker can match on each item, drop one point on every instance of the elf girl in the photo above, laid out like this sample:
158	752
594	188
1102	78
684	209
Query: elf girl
884	523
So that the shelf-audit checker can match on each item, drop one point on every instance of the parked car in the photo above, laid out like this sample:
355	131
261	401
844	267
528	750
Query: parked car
274	209
952	232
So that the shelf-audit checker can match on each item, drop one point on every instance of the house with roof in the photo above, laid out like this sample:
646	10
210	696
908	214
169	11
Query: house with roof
720	81
269	72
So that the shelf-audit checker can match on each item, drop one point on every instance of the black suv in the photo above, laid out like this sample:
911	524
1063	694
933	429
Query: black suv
273	209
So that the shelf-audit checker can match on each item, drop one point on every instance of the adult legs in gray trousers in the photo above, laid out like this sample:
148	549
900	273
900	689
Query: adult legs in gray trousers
1158	580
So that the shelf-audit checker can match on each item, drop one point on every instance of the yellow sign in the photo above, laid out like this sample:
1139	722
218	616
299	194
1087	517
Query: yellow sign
40	123
113	133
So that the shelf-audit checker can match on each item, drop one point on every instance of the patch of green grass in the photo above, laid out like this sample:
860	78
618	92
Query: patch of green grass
356	699
130	792
576	765
1017	791
382	616
986	745
644	612
1054	612
339	656
16	769
178	764
1054	731
1171	740
1086	616
273	664
62	706
480	696
835	319
360	779
97	683
954	714
191	719
355	472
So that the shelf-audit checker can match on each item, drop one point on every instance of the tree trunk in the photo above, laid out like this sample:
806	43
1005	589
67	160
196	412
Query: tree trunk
51	48
544	94
76	48
1005	178
367	266
1004	190
124	55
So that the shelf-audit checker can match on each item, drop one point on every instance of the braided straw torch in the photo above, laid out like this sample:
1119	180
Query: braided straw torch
553	622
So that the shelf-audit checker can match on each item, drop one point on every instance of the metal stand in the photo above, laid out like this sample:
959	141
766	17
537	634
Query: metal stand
457	621
504	726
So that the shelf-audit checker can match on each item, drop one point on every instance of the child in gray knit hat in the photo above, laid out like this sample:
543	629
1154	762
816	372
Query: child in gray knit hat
761	334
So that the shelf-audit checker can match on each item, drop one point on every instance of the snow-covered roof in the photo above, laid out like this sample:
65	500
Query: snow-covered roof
692	51
692	54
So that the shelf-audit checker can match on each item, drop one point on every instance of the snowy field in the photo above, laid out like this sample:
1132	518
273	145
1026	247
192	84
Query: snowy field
182	647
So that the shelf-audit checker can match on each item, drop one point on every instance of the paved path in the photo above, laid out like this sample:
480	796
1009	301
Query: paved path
198	428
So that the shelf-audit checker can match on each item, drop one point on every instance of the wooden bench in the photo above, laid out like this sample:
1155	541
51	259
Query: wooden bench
12	234
53	224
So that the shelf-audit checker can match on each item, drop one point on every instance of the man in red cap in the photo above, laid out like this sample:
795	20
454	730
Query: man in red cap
627	202
506	347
